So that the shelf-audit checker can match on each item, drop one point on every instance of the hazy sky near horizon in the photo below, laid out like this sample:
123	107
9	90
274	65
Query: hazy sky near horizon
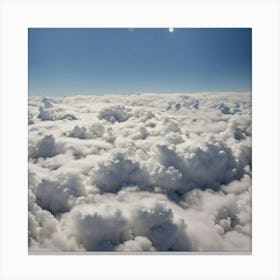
69	61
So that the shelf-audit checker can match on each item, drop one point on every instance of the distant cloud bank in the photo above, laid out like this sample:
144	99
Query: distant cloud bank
145	172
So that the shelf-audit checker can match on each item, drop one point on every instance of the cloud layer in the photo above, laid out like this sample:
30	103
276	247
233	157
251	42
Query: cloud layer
145	172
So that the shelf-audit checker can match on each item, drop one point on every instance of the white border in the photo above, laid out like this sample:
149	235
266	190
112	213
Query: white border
262	16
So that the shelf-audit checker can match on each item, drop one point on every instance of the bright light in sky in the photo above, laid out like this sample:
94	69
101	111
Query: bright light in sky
171	29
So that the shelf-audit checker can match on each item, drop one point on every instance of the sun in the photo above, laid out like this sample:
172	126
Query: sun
171	29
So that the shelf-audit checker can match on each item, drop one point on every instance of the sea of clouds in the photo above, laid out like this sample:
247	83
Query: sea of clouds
142	172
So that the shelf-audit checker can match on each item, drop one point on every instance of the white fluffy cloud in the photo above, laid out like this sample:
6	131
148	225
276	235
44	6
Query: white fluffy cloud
147	172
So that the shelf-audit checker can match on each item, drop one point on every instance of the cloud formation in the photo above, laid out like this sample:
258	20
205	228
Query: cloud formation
145	172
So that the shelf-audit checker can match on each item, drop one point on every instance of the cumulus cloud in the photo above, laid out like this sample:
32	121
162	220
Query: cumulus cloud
115	173
146	172
45	147
58	194
115	113
49	111
81	132
138	244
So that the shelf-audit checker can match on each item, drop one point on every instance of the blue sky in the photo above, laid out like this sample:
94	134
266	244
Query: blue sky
69	61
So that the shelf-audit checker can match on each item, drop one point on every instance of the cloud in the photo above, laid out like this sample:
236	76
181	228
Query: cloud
81	132
116	222
46	147
50	111
145	172
115	113
58	194
115	173
138	244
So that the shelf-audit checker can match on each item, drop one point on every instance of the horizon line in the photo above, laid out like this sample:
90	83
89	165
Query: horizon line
143	93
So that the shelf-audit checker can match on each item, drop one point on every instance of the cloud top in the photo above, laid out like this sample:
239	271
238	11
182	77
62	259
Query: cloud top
146	172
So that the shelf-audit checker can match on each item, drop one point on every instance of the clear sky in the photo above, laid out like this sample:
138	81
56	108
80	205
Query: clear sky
69	61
